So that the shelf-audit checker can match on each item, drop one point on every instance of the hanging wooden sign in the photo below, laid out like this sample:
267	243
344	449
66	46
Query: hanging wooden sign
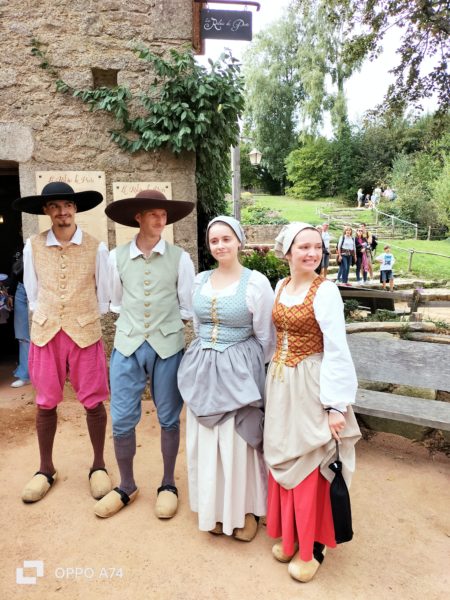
226	24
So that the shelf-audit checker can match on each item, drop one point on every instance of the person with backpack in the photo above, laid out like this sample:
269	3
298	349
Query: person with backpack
346	250
372	243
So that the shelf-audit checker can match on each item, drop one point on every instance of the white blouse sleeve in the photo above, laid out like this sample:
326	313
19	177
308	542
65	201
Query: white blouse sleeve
338	382
259	299
101	278
30	280
186	274
197	283
115	284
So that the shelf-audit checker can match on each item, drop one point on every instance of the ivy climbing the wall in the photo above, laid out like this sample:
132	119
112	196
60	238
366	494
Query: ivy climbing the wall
187	107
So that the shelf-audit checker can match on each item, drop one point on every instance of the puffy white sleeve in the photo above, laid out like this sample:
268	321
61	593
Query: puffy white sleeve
338	382
30	280
186	274
197	284
101	278
115	283
259	299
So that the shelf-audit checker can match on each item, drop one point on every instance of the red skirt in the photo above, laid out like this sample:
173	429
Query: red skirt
301	515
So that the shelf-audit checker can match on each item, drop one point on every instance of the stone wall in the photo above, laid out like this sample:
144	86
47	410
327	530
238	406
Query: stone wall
41	129
261	234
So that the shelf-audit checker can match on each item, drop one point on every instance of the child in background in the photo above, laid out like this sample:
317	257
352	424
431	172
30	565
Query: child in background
387	261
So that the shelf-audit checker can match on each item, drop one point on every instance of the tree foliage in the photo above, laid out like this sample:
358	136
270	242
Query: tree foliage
295	72
365	158
185	108
272	91
323	64
309	169
424	47
441	193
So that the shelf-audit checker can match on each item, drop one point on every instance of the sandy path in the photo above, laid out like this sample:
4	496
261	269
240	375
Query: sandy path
400	499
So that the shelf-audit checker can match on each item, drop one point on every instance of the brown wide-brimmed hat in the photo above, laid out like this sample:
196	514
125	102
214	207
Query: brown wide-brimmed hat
124	211
57	190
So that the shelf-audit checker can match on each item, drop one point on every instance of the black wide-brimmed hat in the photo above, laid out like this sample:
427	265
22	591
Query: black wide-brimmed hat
124	211
57	190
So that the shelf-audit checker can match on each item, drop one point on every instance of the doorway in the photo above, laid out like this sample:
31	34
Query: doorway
10	241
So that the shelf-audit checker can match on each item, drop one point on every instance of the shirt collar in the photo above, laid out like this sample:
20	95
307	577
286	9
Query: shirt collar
77	238
160	248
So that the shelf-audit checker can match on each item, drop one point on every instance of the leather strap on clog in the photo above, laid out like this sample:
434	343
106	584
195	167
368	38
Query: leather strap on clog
168	488
49	478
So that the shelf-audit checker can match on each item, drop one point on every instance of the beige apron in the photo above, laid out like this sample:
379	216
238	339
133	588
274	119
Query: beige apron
297	438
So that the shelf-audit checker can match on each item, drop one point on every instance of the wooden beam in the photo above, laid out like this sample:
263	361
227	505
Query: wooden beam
401	361
198	44
428	413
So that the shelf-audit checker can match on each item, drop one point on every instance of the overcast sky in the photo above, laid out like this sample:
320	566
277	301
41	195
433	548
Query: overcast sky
364	89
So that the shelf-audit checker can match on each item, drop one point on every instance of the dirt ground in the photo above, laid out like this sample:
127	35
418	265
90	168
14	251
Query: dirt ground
400	501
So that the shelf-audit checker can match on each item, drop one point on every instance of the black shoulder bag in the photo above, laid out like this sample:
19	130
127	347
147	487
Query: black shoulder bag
340	503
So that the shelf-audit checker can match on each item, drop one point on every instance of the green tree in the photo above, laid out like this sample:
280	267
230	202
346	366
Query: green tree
441	193
423	49
413	177
309	169
272	91
322	62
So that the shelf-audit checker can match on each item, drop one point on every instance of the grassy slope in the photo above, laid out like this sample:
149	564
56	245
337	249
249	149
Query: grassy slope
294	210
422	264
429	267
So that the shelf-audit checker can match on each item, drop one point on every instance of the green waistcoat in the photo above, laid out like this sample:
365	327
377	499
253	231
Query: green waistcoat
150	308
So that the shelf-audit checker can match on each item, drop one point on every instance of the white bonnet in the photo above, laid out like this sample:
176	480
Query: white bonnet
231	222
284	239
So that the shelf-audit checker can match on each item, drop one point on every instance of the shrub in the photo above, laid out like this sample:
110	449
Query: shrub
257	215
350	308
264	260
246	199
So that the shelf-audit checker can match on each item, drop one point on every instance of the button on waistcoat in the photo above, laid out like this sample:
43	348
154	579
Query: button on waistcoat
298	333
150	308
67	297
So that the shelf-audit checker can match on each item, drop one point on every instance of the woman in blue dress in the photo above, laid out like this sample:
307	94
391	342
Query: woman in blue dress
221	379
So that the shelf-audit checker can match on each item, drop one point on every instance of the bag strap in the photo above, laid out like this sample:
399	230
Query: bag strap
337	449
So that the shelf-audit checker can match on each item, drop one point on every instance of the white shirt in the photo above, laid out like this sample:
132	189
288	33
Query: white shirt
30	277
186	274
259	300
387	261
338	382
326	239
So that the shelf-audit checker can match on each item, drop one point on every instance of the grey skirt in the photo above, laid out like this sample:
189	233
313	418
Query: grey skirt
213	382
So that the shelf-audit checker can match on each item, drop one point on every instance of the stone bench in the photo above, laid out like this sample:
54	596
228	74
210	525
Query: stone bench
407	363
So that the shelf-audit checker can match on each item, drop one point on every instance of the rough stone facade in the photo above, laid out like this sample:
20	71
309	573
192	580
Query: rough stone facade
262	234
41	129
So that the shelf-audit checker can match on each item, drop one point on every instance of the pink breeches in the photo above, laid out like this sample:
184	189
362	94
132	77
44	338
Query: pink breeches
86	369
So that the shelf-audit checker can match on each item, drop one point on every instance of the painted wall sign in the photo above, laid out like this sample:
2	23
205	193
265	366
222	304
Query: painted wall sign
93	221
129	189
226	24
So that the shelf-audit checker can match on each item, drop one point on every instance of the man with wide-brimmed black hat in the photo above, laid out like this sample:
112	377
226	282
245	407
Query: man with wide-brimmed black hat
151	286
65	277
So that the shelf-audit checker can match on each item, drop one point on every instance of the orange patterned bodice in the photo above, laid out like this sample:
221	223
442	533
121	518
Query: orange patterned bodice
298	332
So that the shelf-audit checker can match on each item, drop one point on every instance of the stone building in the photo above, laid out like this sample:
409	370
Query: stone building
41	130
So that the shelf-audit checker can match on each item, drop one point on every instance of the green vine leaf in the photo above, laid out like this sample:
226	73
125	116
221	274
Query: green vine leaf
186	108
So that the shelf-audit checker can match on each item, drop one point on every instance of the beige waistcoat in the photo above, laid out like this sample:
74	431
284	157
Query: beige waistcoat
67	297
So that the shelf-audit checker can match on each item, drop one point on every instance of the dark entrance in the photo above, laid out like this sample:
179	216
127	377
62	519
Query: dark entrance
10	242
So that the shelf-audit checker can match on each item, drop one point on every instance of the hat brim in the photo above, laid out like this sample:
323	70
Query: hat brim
124	211
34	204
